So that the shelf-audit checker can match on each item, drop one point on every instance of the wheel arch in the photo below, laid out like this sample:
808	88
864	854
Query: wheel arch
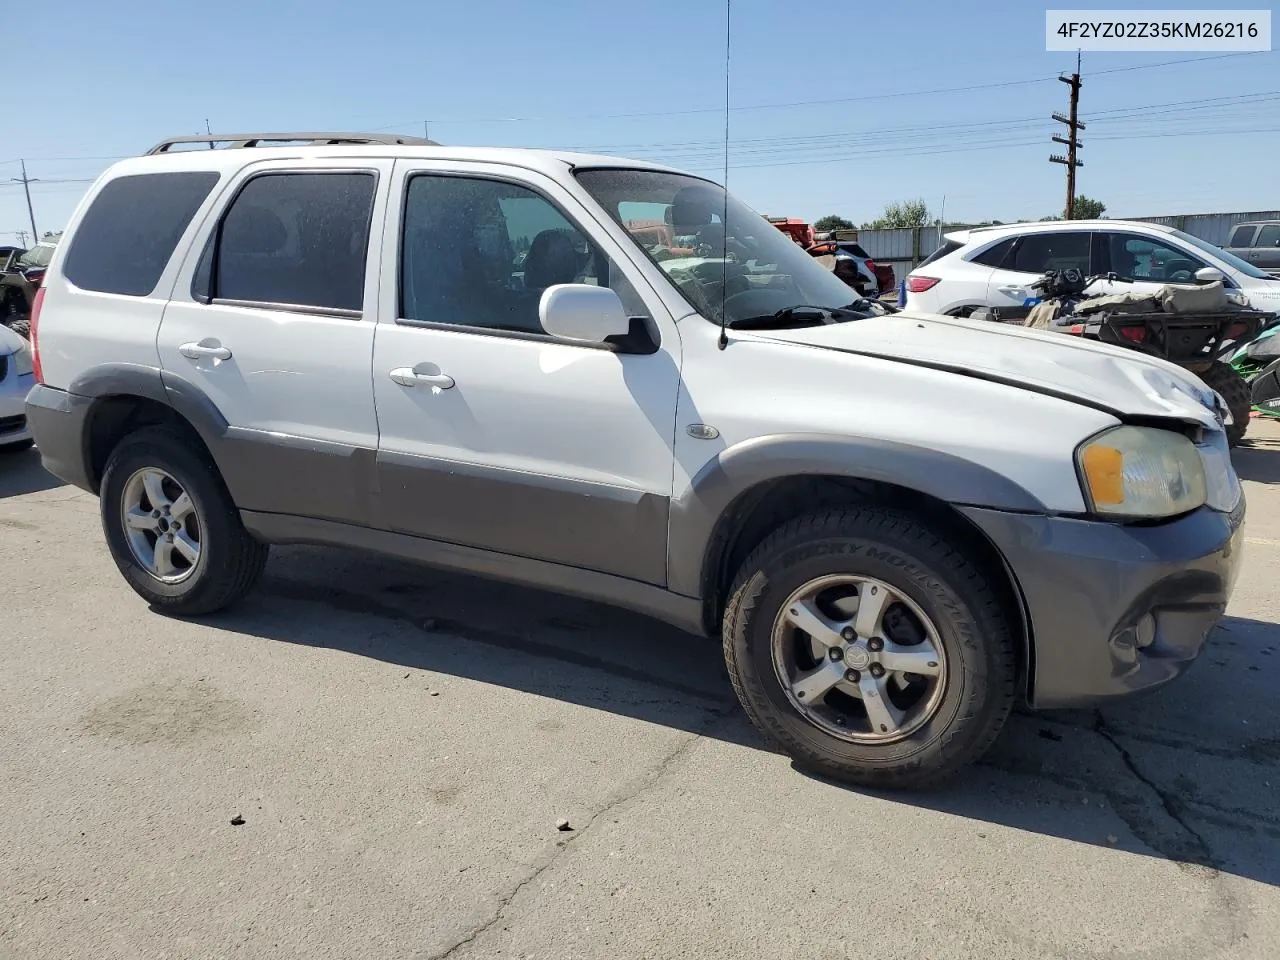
753	489
127	397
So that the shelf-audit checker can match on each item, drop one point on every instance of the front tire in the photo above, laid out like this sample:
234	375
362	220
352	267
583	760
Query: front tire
172	528
870	649
1236	391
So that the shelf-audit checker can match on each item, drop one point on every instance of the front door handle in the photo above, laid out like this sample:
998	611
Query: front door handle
421	376
208	348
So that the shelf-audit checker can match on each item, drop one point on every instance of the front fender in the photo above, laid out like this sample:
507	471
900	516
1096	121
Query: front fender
697	512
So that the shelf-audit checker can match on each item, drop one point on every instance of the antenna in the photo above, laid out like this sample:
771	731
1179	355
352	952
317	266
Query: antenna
724	217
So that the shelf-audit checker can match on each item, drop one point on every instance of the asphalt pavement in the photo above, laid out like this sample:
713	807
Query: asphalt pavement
369	760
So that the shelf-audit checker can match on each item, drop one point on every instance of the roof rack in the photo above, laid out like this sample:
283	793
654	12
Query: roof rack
314	139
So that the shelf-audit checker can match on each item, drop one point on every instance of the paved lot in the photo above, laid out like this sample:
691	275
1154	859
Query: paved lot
400	746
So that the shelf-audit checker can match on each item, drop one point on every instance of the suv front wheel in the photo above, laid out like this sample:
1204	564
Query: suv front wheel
869	648
172	528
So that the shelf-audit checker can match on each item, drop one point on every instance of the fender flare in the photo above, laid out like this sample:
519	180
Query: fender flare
697	516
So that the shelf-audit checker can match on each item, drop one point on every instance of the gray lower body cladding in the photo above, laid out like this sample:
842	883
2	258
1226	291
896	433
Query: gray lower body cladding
1089	586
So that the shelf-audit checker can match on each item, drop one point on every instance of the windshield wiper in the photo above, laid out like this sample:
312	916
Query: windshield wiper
803	314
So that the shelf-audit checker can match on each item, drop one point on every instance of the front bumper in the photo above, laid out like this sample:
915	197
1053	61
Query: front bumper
1089	586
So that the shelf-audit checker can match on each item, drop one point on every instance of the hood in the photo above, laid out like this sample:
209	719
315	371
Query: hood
1122	382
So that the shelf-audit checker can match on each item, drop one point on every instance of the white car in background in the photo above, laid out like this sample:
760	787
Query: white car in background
995	266
16	381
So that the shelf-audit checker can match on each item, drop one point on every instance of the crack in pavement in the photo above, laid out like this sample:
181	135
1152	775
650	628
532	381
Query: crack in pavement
1194	852
634	790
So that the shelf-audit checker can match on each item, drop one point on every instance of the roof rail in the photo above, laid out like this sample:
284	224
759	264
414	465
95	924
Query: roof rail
314	139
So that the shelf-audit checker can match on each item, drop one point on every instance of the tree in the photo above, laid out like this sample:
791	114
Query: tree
909	213
1087	208
832	222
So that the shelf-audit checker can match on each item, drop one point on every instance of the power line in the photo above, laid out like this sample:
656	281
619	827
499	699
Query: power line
894	95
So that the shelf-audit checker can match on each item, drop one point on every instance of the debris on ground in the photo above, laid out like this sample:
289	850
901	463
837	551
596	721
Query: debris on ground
1048	734
563	825
237	821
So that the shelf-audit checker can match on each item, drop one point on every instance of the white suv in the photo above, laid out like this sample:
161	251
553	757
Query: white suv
898	524
995	266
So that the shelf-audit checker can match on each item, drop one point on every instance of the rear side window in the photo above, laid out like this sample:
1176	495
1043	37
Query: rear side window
1242	236
948	247
994	256
1269	236
131	229
1039	252
295	239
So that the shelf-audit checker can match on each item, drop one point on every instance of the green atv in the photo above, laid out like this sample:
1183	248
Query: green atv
20	278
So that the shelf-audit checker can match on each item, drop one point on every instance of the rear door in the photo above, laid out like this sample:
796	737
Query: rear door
1030	257
1241	240
272	321
1266	251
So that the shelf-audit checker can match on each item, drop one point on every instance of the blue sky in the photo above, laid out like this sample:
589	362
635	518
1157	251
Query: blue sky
111	79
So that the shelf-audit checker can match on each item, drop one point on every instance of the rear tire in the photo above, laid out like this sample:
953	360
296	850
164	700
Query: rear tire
1236	391
954	715
159	485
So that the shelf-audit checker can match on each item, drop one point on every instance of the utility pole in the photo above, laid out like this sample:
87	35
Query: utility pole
208	132
26	186
1071	142
22	238
426	130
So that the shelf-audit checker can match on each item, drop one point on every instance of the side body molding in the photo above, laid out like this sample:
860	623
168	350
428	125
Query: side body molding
327	480
697	512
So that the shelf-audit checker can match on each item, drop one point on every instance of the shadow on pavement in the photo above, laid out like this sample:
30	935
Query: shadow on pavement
1258	459
22	473
1184	773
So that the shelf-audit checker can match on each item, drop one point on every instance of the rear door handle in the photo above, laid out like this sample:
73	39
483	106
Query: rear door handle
209	348
412	377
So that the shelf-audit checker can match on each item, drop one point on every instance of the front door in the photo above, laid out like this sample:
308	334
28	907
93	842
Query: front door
1146	264
494	434
274	324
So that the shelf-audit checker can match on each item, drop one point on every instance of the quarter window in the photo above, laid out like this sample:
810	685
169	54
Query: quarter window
126	237
479	253
1040	252
995	255
298	239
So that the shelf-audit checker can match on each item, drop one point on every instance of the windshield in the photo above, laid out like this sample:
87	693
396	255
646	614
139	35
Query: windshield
681	223
1230	259
37	256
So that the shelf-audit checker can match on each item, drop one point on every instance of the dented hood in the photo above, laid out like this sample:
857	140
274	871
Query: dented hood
1123	382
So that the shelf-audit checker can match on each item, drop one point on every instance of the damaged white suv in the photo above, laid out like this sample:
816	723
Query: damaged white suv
609	379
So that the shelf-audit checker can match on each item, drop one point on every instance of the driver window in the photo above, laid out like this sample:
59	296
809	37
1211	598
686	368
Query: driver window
479	253
1141	258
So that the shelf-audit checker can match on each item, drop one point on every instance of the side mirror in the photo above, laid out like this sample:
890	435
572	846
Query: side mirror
1209	275
581	311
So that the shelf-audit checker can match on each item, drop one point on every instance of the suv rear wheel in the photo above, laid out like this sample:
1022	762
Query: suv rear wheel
172	528
869	648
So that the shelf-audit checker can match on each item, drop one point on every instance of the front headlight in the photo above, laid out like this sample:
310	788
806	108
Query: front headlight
22	361
1141	472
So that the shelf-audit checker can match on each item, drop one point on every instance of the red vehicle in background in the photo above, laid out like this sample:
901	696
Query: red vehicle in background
845	257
